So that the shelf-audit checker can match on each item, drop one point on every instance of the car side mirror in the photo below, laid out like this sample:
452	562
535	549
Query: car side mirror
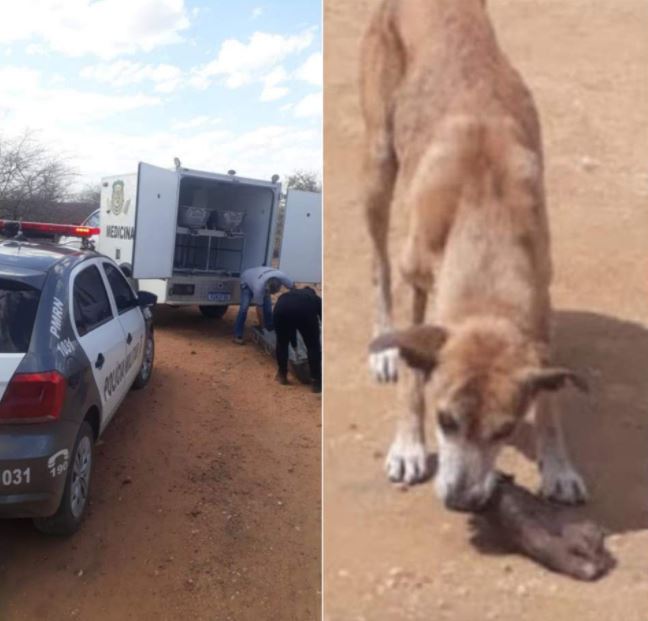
146	299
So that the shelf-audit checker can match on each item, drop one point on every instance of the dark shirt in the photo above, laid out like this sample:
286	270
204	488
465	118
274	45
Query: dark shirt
304	302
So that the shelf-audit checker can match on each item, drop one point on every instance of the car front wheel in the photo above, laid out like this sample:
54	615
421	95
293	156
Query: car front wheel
74	502
146	370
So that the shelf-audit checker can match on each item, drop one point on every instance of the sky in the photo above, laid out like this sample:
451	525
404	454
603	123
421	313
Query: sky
220	85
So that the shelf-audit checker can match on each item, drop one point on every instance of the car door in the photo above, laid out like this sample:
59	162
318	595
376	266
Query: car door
301	244
131	319
156	221
100	335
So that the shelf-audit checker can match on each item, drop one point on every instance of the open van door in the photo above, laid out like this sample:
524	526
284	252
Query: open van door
156	221
301	244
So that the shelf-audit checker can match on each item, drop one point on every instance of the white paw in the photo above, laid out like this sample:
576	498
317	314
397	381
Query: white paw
406	462
561	483
384	365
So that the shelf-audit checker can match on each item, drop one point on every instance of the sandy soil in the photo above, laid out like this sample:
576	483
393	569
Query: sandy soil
206	499
396	555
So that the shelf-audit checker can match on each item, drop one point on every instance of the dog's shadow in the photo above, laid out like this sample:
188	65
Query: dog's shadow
606	430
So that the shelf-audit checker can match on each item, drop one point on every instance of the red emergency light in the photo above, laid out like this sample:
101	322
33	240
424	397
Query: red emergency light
49	228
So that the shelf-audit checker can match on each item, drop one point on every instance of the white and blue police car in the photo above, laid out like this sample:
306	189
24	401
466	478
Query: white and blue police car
74	339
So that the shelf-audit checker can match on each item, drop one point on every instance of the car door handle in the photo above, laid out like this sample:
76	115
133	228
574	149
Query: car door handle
100	361
129	339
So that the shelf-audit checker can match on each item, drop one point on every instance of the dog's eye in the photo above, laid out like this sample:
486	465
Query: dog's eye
503	432
447	422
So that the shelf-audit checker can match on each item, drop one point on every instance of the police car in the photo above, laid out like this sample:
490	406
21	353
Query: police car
74	339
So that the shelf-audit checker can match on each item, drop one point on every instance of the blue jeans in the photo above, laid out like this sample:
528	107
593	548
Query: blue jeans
246	301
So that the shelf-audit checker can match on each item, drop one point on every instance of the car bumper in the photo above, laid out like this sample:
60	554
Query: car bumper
34	460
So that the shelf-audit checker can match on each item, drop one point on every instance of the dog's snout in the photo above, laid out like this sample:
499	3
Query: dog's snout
464	503
458	501
466	498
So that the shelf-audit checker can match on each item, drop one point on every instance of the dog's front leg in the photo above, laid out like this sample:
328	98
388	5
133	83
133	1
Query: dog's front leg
380	174
407	457
560	480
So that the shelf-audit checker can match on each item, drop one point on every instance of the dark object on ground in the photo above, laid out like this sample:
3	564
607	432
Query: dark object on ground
543	532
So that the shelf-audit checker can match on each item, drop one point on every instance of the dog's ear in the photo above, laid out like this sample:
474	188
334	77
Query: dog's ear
418	345
551	378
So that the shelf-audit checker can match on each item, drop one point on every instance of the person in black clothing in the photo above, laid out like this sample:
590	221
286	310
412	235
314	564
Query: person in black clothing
299	310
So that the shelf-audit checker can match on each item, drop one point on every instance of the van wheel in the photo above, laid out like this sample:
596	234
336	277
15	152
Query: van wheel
146	370
213	312
74	503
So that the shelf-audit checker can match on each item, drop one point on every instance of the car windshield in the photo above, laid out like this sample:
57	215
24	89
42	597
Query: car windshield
18	306
92	220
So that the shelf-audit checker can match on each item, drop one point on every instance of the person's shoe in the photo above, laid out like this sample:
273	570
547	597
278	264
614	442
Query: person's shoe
282	379
316	387
238	340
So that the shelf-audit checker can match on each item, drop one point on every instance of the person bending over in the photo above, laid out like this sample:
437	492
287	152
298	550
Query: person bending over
257	285
299	310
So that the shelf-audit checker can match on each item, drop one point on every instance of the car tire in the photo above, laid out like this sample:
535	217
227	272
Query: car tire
214	312
146	370
74	503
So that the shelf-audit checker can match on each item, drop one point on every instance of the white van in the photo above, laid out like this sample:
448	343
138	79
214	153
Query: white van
187	235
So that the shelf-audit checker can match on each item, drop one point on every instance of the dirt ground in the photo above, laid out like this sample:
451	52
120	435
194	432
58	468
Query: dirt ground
390	554
205	501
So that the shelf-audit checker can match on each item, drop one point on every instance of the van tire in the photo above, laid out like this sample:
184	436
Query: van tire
146	370
64	522
214	312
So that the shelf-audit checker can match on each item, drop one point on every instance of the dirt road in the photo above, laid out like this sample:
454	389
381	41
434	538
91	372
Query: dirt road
206	499
399	555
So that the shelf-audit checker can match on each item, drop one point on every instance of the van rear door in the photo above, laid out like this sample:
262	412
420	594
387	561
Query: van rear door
156	221
301	244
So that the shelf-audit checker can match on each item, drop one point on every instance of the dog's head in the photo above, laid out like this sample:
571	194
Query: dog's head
480	382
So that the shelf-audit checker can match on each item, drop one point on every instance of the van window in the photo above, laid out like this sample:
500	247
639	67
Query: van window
91	305
18	306
124	296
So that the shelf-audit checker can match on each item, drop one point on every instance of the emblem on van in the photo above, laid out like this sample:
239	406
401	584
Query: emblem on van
117	199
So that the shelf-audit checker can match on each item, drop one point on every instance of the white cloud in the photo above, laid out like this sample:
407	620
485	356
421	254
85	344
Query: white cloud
257	12
26	102
36	49
104	28
311	70
258	153
76	124
196	122
309	106
238	63
121	73
271	84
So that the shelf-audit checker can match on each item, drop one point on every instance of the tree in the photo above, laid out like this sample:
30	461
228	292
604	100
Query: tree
307	180
30	177
90	194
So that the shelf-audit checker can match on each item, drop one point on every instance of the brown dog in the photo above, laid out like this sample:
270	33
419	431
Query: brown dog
453	137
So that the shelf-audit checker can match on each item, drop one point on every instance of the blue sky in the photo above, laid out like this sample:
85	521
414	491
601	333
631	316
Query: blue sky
108	83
